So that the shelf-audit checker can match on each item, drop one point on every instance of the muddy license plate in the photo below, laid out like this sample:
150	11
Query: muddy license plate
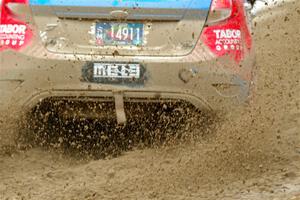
130	74
125	34
117	71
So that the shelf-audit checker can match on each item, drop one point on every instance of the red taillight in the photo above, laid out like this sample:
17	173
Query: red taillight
226	31
14	31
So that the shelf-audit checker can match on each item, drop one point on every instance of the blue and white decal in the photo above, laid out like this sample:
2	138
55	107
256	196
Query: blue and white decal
156	4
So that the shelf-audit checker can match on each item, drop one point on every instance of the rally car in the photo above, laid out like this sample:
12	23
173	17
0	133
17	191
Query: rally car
119	51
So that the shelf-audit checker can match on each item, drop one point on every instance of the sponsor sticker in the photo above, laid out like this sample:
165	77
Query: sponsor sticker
13	35
228	39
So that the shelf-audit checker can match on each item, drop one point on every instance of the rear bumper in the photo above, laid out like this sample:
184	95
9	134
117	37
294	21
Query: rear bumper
211	84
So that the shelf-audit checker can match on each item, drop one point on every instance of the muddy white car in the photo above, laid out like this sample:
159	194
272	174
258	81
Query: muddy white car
196	51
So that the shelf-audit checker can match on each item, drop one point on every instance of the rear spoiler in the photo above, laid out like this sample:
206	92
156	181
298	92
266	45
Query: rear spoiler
154	10
137	4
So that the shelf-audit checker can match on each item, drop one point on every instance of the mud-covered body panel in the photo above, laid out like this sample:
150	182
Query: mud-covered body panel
200	76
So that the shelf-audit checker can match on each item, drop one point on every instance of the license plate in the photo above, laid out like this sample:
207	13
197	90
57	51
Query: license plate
124	34
117	71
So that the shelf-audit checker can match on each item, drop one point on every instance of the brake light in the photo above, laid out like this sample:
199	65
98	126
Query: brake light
15	33
227	32
220	10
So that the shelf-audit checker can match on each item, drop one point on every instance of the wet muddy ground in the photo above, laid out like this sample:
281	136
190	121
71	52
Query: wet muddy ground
250	154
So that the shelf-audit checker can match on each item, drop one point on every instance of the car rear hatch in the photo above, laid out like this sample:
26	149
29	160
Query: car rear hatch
120	27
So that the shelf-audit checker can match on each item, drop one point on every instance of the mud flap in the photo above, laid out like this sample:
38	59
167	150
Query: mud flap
119	106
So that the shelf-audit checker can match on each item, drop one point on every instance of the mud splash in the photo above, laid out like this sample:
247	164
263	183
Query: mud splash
252	154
